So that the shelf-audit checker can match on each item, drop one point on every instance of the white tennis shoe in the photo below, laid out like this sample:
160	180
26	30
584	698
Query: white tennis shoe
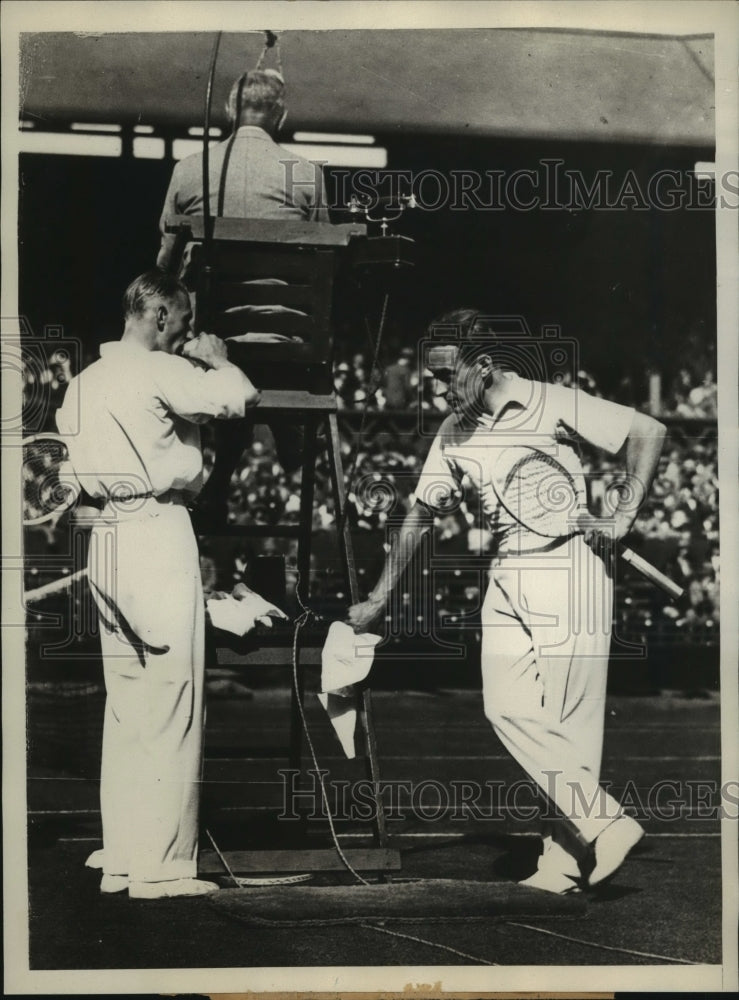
167	890
612	847
113	883
551	881
95	860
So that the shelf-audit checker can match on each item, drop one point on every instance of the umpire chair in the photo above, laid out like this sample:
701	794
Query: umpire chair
265	278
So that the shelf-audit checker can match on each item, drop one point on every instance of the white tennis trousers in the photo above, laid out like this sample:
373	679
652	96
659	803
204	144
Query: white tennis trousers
545	642
145	577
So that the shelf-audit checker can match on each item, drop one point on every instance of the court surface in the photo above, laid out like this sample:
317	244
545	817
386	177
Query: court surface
663	907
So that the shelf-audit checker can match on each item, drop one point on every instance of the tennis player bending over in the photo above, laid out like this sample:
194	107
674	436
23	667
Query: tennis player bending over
130	421
547	613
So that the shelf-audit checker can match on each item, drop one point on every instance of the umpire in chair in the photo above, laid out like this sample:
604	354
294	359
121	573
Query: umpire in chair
250	177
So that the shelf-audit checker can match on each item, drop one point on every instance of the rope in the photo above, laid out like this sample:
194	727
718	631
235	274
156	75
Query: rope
222	859
604	947
431	944
271	42
299	623
306	614
229	148
207	233
244	883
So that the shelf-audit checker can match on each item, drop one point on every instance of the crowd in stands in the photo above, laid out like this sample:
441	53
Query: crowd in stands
692	396
691	393
677	529
45	374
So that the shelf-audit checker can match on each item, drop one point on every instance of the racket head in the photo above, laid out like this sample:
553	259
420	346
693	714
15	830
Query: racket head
49	484
538	490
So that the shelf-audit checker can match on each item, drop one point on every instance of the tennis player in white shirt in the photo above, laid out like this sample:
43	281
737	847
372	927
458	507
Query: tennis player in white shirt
547	613
131	421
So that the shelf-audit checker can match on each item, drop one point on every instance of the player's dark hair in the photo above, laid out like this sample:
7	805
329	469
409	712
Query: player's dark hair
507	340
474	333
154	284
457	325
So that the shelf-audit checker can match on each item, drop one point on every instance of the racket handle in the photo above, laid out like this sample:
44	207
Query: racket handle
651	572
55	587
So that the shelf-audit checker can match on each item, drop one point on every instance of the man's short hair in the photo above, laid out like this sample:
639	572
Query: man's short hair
260	91
154	284
459	328
454	327
474	332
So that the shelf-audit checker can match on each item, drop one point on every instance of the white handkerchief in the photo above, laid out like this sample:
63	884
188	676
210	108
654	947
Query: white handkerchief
346	660
343	717
347	657
239	612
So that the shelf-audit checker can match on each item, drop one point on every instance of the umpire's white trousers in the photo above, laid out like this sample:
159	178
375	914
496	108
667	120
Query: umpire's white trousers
545	642
145	577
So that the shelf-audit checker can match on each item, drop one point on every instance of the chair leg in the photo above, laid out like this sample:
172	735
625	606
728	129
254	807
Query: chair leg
337	484
364	696
364	699
231	439
302	588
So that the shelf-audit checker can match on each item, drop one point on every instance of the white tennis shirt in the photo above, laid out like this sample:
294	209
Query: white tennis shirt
130	420
552	418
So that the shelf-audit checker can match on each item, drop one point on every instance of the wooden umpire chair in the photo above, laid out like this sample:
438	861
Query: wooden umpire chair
274	277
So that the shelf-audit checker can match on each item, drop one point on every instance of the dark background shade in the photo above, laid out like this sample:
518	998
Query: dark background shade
633	286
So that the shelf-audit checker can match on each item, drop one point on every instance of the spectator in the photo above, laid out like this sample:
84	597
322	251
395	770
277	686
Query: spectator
398	382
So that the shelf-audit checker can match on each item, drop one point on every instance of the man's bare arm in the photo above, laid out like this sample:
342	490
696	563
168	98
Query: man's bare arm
643	448
418	521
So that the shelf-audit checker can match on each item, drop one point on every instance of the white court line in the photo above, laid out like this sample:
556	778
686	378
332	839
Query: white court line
457	836
431	836
451	756
63	812
657	726
665	759
494	757
611	727
497	819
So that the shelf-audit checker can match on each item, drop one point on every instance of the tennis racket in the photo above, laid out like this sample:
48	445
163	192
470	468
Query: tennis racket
50	486
55	587
543	495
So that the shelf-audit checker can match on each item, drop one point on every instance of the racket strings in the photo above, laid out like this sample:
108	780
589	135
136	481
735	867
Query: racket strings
541	494
45	489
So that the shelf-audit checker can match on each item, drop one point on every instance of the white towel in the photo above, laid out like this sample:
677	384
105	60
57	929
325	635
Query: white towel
346	660
241	610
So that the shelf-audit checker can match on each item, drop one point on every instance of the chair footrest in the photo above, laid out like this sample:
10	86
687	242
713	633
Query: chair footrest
296	400
268	656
